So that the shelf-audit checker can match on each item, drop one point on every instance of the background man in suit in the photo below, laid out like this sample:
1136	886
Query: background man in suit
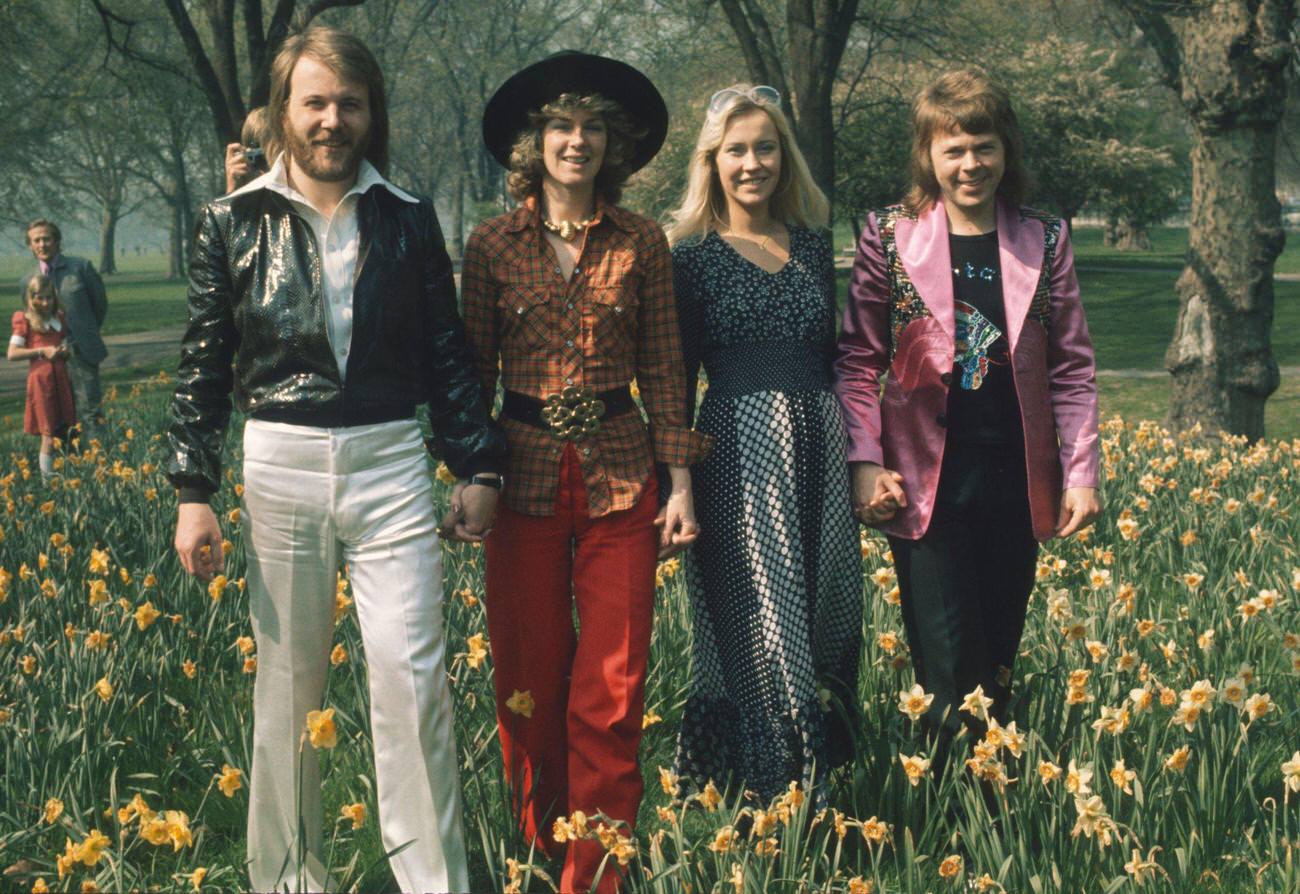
85	304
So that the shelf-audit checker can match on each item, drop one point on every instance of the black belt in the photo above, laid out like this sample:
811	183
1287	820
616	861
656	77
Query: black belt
571	414
335	417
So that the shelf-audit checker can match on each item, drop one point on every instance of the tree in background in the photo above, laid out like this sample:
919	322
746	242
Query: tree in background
1076	107
1227	61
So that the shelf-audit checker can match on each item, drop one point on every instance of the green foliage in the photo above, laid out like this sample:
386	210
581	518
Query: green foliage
1118	604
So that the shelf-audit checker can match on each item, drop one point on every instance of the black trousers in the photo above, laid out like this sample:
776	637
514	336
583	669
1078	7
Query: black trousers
965	584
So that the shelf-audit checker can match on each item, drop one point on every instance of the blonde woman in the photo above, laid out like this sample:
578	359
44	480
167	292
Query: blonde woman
774	577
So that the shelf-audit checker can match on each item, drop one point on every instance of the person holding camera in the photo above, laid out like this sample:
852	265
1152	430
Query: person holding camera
248	158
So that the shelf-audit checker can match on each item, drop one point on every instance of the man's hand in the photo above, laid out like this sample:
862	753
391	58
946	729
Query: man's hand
676	520
471	515
1079	506
237	168
877	493
196	528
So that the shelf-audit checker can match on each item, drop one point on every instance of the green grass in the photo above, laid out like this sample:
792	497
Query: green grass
1223	826
140	297
1148	398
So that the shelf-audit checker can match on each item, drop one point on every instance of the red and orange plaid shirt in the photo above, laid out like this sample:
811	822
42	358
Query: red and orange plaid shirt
613	321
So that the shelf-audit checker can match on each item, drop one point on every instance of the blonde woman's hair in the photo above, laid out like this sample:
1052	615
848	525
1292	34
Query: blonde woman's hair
796	200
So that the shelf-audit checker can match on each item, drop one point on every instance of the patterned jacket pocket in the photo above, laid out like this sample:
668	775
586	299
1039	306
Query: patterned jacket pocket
526	318
613	312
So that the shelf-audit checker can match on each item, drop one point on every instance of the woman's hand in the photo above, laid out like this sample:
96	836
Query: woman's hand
472	512
1079	506
676	519
877	493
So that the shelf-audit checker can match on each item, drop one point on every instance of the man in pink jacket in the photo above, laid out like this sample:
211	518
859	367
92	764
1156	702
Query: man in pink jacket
984	440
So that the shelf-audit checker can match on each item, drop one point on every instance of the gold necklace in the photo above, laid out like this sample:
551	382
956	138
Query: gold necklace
568	230
761	245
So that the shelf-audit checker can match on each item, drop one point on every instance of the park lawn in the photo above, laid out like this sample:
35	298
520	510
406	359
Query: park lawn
140	297
1135	399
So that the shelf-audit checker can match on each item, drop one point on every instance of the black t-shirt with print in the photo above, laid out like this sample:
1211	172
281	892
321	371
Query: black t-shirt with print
982	404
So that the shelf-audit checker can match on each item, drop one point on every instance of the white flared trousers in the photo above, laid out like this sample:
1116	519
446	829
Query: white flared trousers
363	494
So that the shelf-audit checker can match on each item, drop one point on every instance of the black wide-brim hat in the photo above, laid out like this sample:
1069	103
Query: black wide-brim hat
569	71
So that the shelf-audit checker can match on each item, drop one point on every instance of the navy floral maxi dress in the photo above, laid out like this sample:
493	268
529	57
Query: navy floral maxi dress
775	578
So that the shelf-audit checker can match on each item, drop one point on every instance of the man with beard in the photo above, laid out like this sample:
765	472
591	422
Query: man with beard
322	295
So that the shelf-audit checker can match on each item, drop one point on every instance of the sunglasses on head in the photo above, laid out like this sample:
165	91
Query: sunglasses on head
728	96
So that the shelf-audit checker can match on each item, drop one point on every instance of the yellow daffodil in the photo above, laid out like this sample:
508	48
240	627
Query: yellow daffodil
230	780
53	810
478	651
1178	760
197	876
178	829
145	615
217	587
355	812
521	703
338	655
951	867
99	561
320	728
915	766
977	703
104	689
914	702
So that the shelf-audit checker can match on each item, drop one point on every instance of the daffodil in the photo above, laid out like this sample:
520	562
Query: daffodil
521	703
145	615
320	728
355	812
230	780
914	702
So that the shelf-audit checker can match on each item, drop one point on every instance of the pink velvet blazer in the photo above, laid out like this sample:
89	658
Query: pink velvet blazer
900	318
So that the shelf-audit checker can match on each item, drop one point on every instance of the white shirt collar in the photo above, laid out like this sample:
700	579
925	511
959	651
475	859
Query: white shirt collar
277	180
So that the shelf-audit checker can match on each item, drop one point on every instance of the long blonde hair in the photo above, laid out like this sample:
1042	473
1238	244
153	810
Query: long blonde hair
796	200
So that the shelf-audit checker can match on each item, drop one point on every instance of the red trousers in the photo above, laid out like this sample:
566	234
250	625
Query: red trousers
578	750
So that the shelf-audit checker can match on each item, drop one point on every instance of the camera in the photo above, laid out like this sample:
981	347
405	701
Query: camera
255	156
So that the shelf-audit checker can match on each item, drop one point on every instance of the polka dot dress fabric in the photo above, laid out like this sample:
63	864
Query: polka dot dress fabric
774	578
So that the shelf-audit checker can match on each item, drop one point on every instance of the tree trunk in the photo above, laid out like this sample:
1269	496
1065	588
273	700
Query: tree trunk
1227	61
108	241
457	247
1131	237
1221	357
176	246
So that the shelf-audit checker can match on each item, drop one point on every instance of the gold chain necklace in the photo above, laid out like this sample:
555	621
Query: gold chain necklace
568	230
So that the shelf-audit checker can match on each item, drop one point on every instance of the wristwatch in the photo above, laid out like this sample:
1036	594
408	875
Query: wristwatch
496	482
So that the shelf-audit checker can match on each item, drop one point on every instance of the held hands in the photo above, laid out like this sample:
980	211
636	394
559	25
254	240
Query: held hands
1079	506
877	493
198	540
472	513
676	520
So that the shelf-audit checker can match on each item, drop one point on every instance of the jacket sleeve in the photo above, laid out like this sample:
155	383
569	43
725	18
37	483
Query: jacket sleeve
200	408
98	295
690	322
862	354
478	294
465	435
1072	374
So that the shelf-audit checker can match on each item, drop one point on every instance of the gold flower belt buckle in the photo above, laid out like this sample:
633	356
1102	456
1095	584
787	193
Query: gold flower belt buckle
573	413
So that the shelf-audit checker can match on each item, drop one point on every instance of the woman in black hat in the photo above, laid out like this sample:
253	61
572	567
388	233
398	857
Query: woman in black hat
569	300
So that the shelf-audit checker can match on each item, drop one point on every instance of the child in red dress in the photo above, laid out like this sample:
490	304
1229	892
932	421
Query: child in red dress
41	337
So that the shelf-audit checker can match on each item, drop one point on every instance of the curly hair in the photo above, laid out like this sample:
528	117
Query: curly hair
527	167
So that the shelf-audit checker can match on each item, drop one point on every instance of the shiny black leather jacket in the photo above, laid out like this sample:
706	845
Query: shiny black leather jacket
258	328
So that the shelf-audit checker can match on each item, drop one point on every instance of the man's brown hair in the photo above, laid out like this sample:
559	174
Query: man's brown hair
42	222
969	100
351	60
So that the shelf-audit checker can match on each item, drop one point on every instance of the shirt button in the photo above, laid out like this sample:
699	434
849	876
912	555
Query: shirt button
568	343
946	378
568	380
569	306
586	451
577	270
519	310
559	271
618	308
